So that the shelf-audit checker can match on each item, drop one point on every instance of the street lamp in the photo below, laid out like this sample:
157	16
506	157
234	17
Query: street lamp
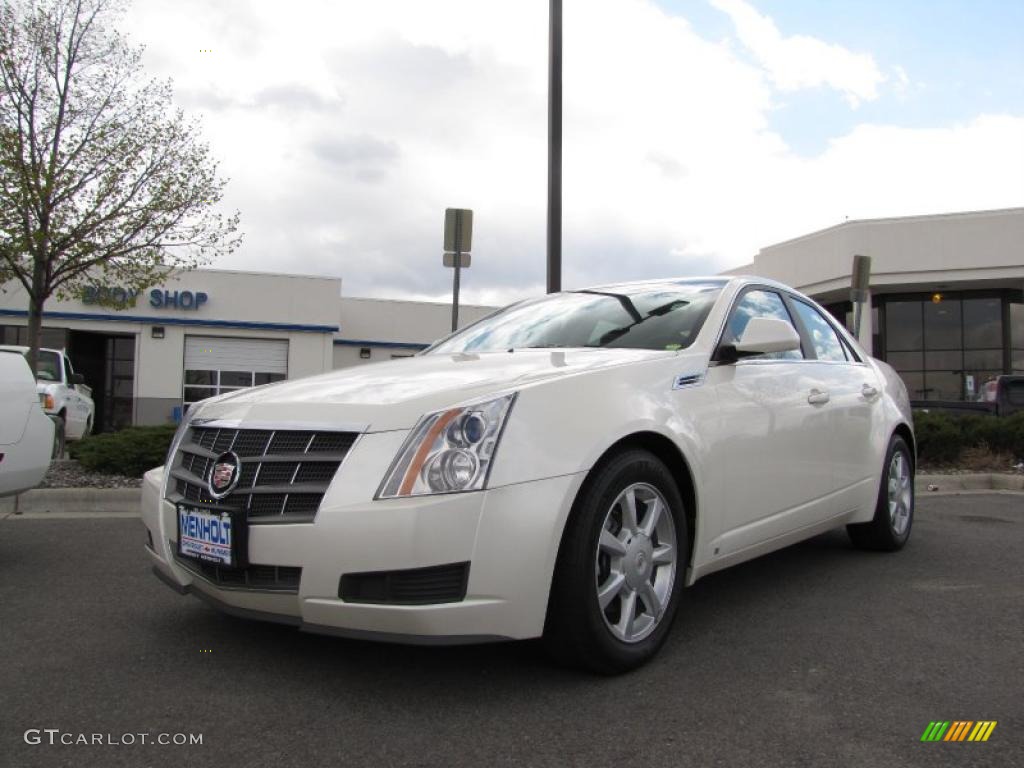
555	146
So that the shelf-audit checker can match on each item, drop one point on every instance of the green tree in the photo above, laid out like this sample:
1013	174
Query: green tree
102	179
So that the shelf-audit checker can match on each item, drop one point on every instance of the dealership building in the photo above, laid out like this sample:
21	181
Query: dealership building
946	299
147	354
946	309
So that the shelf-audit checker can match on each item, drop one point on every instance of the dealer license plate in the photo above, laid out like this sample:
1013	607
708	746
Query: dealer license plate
207	536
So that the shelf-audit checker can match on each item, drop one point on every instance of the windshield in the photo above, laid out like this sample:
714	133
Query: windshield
48	366
664	316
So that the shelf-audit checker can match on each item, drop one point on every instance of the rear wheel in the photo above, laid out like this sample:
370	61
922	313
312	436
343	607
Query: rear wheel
894	510
59	437
620	568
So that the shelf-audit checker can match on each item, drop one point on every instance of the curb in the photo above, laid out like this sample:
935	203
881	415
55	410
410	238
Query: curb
927	485
56	503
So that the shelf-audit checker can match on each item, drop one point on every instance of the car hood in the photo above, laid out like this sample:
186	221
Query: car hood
393	395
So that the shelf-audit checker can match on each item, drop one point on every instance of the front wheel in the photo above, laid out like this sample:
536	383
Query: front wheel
621	566
894	510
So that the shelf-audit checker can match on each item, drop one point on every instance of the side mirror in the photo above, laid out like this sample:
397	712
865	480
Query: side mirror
761	336
77	378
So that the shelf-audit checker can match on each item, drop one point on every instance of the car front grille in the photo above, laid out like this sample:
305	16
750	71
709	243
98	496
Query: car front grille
270	578
284	473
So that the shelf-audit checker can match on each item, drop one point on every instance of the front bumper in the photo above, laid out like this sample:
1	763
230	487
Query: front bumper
508	535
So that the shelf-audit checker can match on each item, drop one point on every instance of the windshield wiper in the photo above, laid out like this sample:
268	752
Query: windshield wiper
609	336
625	301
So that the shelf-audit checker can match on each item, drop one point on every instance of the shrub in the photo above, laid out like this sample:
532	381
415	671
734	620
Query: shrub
939	441
946	438
132	451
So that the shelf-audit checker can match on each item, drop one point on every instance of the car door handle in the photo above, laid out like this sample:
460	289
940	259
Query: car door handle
869	392
817	397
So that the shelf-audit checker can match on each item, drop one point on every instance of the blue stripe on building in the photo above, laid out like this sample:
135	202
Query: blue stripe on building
175	321
386	344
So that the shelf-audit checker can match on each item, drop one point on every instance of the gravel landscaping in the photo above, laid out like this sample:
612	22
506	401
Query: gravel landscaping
68	473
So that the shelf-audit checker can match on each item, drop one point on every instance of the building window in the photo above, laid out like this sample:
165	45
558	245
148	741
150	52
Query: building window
215	365
200	385
17	335
945	346
1017	337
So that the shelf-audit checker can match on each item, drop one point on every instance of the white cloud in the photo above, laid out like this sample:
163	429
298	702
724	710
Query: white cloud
347	128
799	61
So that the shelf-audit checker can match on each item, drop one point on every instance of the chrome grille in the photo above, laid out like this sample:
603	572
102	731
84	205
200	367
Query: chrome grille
284	473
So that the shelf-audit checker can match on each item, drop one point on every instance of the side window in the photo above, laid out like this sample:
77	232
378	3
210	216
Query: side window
824	338
759	303
67	371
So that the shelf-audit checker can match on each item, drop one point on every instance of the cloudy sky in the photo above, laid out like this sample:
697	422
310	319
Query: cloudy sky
696	131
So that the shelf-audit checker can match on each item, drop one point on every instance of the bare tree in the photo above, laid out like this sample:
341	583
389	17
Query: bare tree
102	180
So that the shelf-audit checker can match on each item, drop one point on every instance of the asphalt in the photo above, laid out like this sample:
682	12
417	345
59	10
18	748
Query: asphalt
813	656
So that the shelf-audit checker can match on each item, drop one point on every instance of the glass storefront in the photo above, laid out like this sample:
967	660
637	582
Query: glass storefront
1017	337
947	345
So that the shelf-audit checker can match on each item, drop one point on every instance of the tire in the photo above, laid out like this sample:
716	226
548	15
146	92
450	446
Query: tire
59	437
88	428
890	528
603	551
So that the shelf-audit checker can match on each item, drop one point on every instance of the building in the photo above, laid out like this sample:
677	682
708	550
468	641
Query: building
946	305
149	354
381	329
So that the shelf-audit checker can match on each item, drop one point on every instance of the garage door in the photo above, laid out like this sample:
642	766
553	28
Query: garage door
215	364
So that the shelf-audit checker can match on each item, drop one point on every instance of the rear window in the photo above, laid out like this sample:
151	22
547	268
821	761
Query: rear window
48	366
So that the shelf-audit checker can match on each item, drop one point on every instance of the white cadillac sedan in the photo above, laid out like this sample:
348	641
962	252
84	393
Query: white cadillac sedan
562	468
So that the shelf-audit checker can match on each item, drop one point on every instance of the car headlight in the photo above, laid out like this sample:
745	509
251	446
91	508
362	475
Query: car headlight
448	451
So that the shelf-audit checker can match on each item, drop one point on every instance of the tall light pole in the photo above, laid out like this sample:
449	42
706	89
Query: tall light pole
555	146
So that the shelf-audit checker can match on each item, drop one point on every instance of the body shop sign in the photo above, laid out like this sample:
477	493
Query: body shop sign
158	298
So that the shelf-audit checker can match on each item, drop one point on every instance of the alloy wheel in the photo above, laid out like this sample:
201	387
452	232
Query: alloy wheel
900	493
635	570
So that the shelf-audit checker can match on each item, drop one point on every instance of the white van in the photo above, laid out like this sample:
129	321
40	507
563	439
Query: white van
26	432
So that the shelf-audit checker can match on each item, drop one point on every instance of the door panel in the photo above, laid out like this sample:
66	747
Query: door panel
854	413
771	450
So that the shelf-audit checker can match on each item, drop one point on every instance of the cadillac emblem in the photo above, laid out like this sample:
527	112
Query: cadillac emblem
224	474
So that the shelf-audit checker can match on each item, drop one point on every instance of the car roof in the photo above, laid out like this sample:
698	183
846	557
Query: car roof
636	286
24	349
669	282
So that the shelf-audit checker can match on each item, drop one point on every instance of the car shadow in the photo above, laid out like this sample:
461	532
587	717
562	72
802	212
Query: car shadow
712	605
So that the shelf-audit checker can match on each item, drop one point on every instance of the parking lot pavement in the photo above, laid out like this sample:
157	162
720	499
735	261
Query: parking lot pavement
815	655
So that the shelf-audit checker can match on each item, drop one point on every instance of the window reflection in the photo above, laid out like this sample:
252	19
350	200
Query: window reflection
826	343
758	303
635	316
